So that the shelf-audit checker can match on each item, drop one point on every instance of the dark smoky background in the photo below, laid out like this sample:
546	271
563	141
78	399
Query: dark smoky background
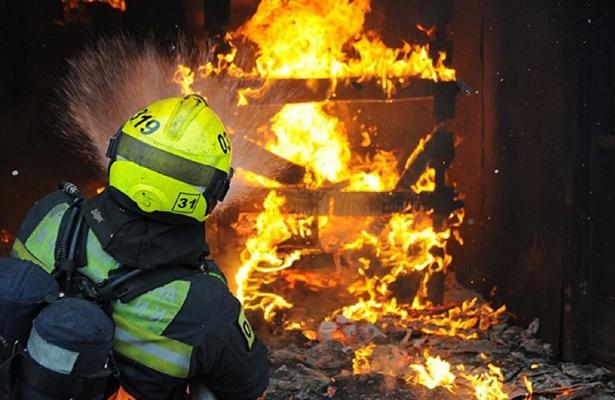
535	159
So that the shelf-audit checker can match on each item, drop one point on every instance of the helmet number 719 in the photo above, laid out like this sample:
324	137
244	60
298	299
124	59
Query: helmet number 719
151	124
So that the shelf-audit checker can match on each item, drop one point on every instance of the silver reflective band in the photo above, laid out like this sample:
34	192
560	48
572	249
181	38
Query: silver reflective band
152	349
165	163
49	355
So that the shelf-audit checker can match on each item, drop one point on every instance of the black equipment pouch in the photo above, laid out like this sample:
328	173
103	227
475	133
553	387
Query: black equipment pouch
60	386
9	354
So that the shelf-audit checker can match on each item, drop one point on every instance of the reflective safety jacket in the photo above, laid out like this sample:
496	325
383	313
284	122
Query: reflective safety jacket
191	328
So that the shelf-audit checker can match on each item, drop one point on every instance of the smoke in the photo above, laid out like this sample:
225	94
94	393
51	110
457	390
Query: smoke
114	78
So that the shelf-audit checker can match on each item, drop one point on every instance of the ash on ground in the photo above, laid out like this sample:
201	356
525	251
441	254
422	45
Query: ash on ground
410	359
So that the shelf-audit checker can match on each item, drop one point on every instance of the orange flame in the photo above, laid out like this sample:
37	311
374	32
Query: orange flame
184	77
323	39
435	373
426	182
261	260
360	362
528	386
255	179
306	135
6	237
375	174
488	385
326	39
118	4
407	246
311	280
462	321
430	32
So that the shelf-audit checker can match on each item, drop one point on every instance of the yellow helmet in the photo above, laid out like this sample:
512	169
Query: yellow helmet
173	156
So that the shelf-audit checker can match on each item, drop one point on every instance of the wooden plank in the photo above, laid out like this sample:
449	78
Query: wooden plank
323	202
260	161
283	91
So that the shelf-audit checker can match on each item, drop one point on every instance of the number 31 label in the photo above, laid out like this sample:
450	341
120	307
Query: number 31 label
186	202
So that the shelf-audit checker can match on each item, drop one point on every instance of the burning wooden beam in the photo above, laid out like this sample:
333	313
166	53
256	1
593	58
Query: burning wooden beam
262	91
259	160
438	152
325	202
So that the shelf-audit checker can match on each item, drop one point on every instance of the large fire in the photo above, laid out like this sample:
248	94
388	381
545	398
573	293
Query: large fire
308	136
327	39
308	39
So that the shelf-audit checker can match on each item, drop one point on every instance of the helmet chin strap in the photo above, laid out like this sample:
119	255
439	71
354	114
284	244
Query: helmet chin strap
219	189
220	185
111	153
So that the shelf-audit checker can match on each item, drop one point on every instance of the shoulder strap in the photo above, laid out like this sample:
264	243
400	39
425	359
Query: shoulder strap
129	285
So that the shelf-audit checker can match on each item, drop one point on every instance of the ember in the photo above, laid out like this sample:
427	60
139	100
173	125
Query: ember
6	241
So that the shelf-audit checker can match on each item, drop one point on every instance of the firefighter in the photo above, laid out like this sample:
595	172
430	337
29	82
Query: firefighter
169	166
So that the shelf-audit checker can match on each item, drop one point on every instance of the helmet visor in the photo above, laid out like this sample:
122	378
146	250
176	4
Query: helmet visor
214	181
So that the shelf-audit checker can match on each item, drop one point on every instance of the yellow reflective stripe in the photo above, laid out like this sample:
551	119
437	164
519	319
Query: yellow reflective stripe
20	251
42	242
156	309
99	261
217	275
160	353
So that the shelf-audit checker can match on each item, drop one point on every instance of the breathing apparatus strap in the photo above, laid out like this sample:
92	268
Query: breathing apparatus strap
70	236
126	286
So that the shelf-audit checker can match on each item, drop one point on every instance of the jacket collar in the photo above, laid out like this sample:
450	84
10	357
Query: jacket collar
142	240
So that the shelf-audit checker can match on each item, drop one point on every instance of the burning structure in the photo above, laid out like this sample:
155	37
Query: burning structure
336	205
